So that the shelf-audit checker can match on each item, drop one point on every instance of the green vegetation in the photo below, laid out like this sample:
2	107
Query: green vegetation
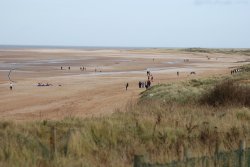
196	50
166	118
181	93
205	91
225	51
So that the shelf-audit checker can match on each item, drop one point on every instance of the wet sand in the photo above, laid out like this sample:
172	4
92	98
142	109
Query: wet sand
89	93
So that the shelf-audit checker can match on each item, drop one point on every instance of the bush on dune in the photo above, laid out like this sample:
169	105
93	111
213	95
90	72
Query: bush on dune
227	93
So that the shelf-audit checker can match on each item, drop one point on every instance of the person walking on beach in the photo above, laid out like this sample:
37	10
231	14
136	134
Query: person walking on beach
152	78
11	86
126	86
177	73
142	84
148	83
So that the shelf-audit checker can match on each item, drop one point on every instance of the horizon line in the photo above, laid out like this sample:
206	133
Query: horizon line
13	46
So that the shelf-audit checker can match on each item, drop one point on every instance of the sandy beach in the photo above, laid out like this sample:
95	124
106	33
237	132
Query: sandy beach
100	89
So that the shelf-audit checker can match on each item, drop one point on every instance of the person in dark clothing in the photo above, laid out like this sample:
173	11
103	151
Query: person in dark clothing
127	86
148	83
139	84
177	73
11	86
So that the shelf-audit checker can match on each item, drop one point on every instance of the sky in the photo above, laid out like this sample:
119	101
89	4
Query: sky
126	23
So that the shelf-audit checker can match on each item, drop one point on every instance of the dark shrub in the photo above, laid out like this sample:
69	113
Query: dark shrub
227	92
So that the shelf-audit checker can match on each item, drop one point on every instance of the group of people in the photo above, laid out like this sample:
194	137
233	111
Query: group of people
145	84
42	84
98	70
62	68
234	71
83	68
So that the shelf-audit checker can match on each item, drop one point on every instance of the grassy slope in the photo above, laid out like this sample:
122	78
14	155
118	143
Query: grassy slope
233	52
182	93
225	51
192	90
159	125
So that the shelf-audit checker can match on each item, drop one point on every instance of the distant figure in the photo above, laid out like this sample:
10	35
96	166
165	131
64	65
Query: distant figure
177	73
192	72
142	84
61	68
127	86
69	67
81	68
148	73
11	86
148	83
139	84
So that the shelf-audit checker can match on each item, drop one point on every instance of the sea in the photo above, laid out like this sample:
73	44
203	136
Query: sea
77	47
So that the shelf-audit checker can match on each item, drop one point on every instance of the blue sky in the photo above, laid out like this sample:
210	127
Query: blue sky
128	23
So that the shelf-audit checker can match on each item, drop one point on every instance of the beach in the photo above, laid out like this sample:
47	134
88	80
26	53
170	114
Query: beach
100	89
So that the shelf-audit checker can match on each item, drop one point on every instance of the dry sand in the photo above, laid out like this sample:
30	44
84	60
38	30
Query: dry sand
90	93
